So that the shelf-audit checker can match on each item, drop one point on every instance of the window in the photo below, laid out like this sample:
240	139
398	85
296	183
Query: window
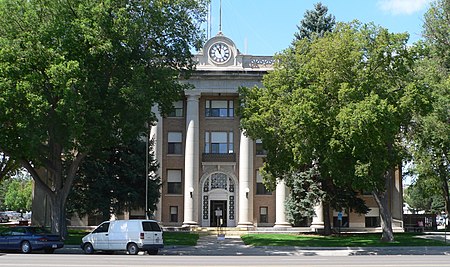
103	228
260	187
373	217
219	108
173	213
340	223
263	214
175	143
173	181
151	227
219	142
259	148
178	110
373	222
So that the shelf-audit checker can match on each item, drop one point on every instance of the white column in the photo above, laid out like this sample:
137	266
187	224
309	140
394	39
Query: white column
280	199
245	182
317	222
156	132
191	159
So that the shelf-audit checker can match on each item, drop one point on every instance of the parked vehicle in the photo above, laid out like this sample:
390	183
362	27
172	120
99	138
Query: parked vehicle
29	238
3	217
128	235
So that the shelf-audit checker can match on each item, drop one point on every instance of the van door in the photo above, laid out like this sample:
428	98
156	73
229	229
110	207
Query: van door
152	233
99	237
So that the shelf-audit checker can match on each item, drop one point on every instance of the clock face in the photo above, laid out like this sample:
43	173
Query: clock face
219	52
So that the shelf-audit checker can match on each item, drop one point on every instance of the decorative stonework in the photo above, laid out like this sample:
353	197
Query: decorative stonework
261	62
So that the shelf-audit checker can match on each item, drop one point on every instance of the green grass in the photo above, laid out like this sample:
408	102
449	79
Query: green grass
74	237
180	239
347	240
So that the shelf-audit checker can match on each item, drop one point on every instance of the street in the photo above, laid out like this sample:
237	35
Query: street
45	260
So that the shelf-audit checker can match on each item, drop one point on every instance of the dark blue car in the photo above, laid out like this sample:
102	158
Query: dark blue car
29	238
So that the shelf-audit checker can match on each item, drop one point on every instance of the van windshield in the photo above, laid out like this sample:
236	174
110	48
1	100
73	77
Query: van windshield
151	227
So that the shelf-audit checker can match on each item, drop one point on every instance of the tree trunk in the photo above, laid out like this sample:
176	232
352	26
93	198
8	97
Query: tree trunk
58	214
57	190
444	179
381	197
326	218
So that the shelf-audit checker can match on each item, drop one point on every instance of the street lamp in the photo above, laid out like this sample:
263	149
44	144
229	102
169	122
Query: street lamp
146	173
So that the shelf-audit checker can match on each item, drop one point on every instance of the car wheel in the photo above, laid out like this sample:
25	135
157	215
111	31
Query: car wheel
132	249
49	250
152	251
25	247
88	248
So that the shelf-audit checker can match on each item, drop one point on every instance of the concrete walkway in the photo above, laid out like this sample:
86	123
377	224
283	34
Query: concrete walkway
233	246
211	245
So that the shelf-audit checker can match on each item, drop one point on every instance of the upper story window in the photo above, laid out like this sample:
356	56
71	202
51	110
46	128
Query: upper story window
219	142
174	143
259	148
219	108
260	187
177	111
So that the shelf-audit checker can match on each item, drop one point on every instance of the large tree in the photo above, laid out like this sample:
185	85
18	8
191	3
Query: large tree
341	102
78	76
430	135
112	181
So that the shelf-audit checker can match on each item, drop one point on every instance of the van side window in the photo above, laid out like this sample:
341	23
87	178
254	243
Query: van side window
151	227
102	228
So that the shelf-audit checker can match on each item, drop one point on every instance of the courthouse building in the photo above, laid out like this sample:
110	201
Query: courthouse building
209	168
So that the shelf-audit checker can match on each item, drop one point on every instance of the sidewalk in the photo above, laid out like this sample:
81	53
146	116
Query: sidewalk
210	245
233	246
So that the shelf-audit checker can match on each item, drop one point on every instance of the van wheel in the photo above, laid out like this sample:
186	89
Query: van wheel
152	251
132	249
88	248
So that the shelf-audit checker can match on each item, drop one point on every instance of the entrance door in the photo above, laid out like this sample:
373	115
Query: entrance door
218	214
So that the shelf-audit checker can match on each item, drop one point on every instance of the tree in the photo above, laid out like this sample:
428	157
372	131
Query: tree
315	23
423	196
79	76
113	181
340	101
437	30
429	136
18	192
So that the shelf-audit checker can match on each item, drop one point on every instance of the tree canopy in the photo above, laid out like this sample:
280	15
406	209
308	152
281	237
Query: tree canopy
78	76
16	192
430	134
340	101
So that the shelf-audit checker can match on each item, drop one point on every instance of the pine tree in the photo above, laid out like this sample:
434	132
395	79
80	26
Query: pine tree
315	23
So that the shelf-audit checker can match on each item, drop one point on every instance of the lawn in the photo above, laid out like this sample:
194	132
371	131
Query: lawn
180	239
344	240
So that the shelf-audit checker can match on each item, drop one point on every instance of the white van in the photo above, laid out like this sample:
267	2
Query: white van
130	235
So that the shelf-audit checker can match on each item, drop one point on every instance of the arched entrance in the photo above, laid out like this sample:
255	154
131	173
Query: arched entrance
218	200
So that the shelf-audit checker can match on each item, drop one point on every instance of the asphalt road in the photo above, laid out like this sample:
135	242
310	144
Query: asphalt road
69	260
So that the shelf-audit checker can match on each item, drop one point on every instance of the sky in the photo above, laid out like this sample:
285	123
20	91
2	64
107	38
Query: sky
266	27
